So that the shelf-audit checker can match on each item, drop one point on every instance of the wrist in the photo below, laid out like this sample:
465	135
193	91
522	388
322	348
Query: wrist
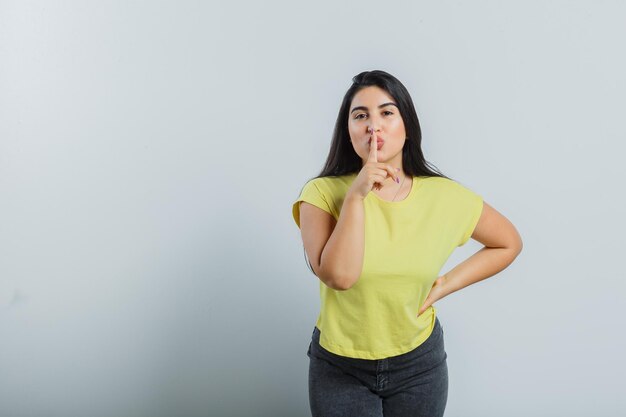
351	196
446	285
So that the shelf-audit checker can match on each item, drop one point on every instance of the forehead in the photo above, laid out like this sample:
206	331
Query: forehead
371	95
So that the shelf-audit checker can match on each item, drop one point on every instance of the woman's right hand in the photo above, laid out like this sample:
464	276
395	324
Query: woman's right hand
373	173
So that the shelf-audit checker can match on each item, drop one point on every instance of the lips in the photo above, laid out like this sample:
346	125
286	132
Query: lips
379	143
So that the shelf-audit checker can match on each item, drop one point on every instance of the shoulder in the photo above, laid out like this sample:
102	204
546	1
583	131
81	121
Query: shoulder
451	191
440	185
442	181
323	192
447	183
330	186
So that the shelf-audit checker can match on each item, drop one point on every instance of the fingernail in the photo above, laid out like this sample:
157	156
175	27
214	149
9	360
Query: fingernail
397	169
398	180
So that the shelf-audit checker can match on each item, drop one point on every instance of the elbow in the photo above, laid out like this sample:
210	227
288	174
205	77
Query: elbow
513	244
340	286
329	279
336	281
515	248
342	283
518	245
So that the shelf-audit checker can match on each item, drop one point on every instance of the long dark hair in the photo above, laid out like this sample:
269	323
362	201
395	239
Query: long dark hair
343	160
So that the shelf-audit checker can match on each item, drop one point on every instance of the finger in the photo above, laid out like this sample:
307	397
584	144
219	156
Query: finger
393	173
373	156
379	179
422	310
424	307
387	170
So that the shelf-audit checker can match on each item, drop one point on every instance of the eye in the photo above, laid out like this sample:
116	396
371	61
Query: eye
358	116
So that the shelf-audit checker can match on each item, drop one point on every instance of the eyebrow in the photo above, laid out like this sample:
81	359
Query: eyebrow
365	108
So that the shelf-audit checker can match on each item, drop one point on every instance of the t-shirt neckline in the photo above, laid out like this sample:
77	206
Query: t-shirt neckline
414	186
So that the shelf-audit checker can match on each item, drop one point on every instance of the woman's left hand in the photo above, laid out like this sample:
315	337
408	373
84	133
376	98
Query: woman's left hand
437	292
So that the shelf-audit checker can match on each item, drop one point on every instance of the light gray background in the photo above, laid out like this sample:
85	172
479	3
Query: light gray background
150	153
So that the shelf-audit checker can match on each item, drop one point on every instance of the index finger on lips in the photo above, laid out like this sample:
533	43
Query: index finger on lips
373	156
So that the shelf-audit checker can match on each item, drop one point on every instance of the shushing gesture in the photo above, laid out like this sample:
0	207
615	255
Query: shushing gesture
373	173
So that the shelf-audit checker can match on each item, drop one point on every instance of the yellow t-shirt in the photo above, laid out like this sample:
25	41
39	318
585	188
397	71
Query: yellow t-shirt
407	242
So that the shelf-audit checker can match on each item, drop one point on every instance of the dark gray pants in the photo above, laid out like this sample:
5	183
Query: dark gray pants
414	384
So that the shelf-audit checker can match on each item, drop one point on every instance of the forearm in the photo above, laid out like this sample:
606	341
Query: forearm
342	257
481	265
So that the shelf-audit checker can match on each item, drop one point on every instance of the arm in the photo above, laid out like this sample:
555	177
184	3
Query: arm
335	249
343	255
502	243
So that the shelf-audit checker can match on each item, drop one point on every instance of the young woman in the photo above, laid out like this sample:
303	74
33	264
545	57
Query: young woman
377	225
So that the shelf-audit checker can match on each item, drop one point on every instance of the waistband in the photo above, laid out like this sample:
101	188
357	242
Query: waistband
433	341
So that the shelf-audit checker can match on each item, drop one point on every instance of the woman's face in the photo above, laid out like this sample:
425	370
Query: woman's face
365	112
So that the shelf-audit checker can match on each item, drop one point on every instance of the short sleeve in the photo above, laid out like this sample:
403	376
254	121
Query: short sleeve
312	194
470	206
